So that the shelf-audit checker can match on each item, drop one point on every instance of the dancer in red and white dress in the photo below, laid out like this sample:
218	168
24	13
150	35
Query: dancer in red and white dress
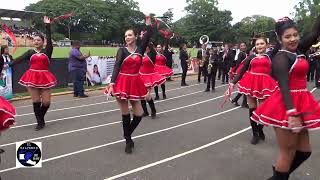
7	111
126	84
38	79
292	109
151	79
162	69
240	59
256	83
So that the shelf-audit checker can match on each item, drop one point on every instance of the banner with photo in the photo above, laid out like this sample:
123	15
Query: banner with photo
176	64
193	65
6	83
99	69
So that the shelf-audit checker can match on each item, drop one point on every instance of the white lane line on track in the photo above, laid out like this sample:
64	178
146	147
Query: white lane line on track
107	124
178	155
313	90
94	104
17	107
119	141
101	112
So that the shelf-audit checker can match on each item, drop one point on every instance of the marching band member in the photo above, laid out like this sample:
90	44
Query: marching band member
292	109
38	79
162	69
256	83
212	66
126	84
7	111
240	57
202	55
151	79
184	57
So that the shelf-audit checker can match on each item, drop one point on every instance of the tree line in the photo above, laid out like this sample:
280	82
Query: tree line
108	19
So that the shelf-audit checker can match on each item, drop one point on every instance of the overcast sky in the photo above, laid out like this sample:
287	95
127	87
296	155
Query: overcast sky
239	8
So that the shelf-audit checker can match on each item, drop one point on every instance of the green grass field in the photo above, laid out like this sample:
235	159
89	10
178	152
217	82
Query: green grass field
63	52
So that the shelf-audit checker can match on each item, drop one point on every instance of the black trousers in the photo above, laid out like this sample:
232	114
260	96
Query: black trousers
312	70
212	77
202	71
184	73
225	70
220	70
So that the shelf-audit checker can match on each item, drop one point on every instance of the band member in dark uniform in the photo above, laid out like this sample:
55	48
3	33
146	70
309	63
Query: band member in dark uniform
227	59
38	79
212	67
184	63
202	55
291	110
168	53
316	59
312	64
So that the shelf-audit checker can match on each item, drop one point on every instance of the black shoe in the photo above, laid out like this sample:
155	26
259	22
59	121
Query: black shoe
255	140
129	146
222	82
235	102
1	151
83	96
157	98
262	136
39	127
153	115
207	90
164	96
145	114
279	175
75	95
244	105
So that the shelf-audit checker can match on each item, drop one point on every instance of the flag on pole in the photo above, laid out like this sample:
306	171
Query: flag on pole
12	37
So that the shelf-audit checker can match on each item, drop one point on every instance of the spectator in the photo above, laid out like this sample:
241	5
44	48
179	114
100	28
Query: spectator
77	69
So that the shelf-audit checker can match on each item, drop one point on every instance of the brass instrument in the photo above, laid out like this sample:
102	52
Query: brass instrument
204	37
210	65
209	68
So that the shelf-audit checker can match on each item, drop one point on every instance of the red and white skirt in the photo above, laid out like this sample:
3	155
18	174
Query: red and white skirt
163	70
152	79
42	79
257	85
7	114
129	87
273	111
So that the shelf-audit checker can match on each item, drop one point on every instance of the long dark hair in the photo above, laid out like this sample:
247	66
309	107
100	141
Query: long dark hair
2	49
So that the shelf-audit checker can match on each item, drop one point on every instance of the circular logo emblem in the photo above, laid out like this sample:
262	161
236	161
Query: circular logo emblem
29	154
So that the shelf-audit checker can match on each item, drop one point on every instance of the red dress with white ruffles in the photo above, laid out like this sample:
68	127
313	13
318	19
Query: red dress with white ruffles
7	114
149	76
38	75
257	82
160	66
129	85
273	110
